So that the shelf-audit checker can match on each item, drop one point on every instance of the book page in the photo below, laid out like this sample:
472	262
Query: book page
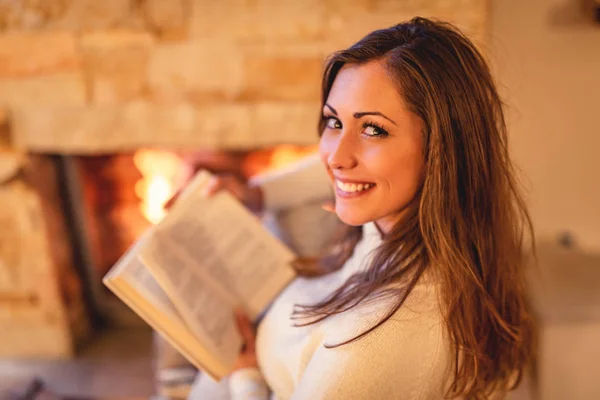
135	285
207	312
138	276
228	247
131	269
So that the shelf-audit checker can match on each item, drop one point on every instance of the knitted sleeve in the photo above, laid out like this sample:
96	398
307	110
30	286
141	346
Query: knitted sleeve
248	384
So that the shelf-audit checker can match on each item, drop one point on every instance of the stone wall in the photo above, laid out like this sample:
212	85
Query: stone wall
85	76
42	312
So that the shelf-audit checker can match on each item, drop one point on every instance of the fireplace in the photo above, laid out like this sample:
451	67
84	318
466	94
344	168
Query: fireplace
112	199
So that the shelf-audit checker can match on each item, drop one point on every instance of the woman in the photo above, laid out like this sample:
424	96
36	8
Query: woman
424	297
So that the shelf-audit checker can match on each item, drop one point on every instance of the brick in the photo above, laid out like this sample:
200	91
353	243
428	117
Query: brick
197	69
29	54
60	88
115	64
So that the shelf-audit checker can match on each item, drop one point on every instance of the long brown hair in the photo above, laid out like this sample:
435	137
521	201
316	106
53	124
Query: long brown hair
468	223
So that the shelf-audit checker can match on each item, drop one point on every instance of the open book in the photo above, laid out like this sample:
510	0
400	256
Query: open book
186	275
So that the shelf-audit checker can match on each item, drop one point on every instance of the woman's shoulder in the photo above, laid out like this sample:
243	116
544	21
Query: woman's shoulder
410	347
420	314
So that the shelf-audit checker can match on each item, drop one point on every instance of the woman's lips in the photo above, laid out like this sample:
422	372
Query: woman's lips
352	189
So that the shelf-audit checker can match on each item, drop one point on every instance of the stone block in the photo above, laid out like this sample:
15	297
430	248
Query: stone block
115	64
347	23
283	123
30	333
27	277
166	19
40	295
194	69
258	21
30	15
288	77
56	89
76	15
34	54
11	162
5	137
110	128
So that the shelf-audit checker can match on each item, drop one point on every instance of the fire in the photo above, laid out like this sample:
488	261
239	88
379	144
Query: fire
163	173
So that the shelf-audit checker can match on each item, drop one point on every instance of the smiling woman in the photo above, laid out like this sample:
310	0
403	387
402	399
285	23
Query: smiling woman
424	297
371	139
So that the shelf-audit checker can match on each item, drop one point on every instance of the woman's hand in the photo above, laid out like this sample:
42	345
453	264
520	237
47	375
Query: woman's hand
250	196
247	357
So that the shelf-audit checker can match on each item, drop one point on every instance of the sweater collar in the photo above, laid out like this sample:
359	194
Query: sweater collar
371	232
360	260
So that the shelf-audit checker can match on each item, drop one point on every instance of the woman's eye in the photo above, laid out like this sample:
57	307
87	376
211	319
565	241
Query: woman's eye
333	123
372	130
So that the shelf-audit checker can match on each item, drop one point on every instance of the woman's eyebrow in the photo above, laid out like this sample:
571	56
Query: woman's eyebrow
332	109
362	114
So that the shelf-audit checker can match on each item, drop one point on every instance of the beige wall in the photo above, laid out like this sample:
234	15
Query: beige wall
547	57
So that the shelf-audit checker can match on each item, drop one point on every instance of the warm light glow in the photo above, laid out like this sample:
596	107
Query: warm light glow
162	174
262	161
285	155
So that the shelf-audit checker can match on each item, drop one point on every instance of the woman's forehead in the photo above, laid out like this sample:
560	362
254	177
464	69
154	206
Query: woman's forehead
369	85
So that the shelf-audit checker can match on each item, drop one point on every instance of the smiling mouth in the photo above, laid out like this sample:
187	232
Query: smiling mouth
345	189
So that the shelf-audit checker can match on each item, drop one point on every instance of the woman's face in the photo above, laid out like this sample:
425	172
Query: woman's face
372	147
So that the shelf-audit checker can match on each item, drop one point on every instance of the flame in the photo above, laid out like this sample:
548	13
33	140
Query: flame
161	177
285	155
163	173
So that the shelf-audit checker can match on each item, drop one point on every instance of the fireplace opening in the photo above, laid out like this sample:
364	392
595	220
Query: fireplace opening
114	198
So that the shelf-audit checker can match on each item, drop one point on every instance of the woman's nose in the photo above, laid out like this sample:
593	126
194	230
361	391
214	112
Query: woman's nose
341	153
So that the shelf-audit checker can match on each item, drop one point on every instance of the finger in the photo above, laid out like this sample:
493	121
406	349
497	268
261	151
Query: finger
246	330
233	186
213	186
172	200
328	206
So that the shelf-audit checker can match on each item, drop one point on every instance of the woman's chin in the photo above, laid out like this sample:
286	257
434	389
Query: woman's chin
351	218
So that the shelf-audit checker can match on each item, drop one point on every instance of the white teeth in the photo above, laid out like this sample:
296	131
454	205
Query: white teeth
353	187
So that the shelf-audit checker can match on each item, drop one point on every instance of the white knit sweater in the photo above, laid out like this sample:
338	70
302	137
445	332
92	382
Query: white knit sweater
407	357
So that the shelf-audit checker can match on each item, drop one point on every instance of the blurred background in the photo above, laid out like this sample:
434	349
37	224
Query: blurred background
107	107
